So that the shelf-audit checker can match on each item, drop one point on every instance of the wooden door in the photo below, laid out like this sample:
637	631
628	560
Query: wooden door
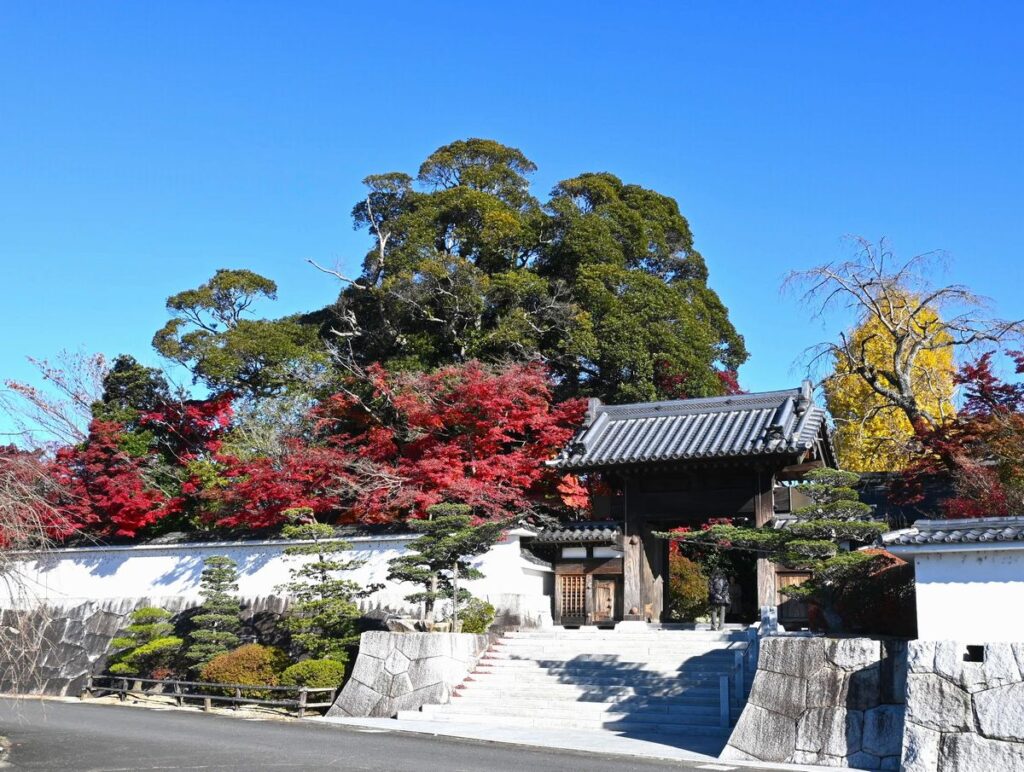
791	610
604	600
571	599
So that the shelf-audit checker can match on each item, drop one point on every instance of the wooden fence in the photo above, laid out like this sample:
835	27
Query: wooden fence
122	686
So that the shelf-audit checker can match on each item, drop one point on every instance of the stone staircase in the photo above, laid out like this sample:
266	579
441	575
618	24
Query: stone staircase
641	681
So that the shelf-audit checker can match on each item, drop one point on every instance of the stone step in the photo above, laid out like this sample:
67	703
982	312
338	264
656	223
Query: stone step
571	708
596	679
616	723
527	700
666	666
639	715
625	638
560	691
565	652
659	669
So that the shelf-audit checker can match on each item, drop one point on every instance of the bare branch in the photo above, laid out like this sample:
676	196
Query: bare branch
915	315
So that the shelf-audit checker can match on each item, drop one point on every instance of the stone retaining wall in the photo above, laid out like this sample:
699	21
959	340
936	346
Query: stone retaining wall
964	716
61	646
405	671
833	702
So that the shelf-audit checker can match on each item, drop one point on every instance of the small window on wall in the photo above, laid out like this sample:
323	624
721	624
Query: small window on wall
574	552
607	552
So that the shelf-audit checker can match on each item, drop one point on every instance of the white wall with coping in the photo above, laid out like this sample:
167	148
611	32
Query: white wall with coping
972	593
71	576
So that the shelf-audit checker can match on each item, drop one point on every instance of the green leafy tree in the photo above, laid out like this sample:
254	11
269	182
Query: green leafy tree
651	327
439	558
687	587
146	647
602	282
812	542
322	613
212	334
215	627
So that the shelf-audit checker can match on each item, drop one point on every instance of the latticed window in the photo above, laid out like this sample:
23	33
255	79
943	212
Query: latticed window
574	591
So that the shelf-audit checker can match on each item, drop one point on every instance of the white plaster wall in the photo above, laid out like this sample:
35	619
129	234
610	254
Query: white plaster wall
71	576
972	596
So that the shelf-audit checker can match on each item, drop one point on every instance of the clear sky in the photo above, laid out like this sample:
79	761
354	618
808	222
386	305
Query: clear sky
144	145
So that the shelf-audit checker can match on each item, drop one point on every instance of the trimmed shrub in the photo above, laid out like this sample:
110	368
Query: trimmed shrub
146	646
687	589
314	673
249	664
476	616
149	658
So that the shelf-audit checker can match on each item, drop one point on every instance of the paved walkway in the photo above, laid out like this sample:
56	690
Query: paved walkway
698	749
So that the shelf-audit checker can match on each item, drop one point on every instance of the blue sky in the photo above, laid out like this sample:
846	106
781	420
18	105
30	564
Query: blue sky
144	145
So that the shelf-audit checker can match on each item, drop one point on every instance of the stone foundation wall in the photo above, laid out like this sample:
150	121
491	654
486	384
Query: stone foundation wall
833	702
59	647
405	671
964	716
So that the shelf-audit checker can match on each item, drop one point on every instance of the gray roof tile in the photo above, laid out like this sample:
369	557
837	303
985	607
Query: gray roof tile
765	423
966	531
588	531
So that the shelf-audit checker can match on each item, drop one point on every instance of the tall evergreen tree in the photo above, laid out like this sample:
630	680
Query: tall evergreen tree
216	625
438	560
322	613
602	282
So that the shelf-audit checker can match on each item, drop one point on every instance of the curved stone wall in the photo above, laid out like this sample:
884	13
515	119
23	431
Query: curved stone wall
405	671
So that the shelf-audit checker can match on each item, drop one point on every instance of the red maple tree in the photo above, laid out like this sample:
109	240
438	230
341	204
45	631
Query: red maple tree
394	444
981	451
102	487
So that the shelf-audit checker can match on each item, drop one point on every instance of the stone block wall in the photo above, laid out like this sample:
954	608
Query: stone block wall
964	716
833	702
405	671
61	646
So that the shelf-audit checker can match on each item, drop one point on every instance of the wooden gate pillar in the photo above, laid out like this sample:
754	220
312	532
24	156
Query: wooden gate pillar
764	511
632	580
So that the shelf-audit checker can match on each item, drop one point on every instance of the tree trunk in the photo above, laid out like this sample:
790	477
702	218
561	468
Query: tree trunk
455	596
431	601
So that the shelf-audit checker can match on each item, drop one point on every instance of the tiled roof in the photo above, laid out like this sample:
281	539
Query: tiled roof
767	423
582	532
969	531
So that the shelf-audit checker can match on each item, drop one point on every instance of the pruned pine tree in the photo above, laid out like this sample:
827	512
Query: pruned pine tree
219	619
322	613
439	559
146	646
823	539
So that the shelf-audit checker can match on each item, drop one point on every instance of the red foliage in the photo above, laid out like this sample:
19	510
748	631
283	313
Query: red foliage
103	488
730	381
986	394
467	433
188	429
257	493
979	451
675	385
385	450
26	491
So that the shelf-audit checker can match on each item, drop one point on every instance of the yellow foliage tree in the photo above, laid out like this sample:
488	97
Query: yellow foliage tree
873	434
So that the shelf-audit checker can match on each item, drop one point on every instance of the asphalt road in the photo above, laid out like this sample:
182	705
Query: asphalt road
84	737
